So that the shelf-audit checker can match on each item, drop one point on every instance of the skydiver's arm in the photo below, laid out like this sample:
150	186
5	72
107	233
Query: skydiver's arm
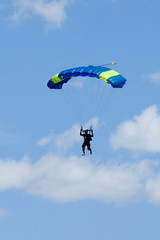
92	135
81	132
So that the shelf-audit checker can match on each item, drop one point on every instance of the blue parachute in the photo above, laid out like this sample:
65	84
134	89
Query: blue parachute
103	73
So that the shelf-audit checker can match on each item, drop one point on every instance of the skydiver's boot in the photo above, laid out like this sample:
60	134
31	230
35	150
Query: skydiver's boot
83	154
90	151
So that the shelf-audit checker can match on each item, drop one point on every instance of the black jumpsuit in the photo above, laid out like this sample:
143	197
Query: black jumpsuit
87	138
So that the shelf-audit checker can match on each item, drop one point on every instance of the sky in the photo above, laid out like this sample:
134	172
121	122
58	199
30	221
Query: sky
48	190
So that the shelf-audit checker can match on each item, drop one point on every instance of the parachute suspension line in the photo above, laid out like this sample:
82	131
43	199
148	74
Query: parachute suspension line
89	97
99	95
83	101
97	90
92	96
74	94
64	101
96	95
68	103
110	95
77	103
101	92
107	95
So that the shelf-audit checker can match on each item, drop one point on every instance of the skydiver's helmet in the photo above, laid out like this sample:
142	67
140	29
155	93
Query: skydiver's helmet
86	131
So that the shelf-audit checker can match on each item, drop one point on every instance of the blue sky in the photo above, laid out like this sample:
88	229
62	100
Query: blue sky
47	189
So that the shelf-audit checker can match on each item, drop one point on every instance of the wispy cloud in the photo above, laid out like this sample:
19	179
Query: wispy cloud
71	136
140	134
67	139
4	212
6	135
51	12
46	140
153	77
78	83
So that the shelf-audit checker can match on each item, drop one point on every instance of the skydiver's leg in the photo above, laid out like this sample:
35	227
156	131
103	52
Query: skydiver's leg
83	147
89	148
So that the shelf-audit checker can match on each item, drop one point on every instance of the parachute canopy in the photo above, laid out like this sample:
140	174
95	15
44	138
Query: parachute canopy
108	75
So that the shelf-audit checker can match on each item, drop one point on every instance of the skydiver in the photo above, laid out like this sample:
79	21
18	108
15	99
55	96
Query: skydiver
87	134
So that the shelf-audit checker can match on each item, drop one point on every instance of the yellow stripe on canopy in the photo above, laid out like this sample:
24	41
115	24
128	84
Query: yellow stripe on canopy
107	74
56	79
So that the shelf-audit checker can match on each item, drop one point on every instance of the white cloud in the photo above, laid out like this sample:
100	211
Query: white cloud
51	12
14	174
153	77
62	179
142	133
